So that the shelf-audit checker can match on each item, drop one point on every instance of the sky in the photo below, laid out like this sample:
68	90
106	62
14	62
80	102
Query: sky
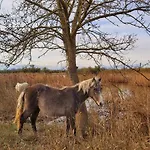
140	54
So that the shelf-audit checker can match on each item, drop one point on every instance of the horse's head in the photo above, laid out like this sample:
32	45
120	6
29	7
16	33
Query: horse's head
95	90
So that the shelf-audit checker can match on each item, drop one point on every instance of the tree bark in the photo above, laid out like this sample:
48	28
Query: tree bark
82	116
71	64
70	49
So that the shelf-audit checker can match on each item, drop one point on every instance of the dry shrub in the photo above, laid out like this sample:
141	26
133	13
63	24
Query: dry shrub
127	126
135	107
125	77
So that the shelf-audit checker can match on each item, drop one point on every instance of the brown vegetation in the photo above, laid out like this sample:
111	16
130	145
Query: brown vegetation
126	95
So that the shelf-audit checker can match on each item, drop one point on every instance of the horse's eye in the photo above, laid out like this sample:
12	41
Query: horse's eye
96	90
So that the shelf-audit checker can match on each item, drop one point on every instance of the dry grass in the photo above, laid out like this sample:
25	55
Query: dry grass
126	126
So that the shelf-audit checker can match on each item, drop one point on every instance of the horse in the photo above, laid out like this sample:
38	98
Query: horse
54	102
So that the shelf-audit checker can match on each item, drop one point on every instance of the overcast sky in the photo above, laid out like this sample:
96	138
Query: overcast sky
140	54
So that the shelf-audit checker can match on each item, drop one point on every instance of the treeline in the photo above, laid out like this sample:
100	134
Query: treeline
33	69
93	70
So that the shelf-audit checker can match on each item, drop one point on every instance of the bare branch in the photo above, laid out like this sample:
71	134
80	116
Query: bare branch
146	8
42	7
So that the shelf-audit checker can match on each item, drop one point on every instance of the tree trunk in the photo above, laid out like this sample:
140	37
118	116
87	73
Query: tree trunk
71	64
81	117
70	49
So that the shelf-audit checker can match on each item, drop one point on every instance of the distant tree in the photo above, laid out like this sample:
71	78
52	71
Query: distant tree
72	26
45	70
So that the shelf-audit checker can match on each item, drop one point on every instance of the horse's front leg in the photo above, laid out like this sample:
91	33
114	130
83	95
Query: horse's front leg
73	126
67	125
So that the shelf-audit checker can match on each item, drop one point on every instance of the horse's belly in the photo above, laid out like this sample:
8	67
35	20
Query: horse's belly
54	106
50	111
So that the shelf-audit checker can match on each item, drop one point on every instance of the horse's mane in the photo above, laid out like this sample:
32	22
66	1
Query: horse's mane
85	85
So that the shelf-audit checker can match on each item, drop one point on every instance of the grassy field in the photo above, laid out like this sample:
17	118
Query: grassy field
127	98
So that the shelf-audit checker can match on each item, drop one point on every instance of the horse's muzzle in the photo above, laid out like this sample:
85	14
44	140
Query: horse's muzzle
100	104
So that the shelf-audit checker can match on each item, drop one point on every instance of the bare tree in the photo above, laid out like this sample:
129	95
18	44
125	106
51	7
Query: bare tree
72	26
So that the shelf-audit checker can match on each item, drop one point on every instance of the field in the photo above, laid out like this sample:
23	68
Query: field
124	124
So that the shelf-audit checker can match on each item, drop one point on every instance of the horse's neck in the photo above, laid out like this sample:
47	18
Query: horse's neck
80	95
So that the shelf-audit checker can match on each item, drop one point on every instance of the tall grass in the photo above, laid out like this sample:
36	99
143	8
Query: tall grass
125	127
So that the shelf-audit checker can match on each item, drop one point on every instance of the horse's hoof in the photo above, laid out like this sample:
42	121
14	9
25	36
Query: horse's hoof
20	133
35	135
76	141
84	135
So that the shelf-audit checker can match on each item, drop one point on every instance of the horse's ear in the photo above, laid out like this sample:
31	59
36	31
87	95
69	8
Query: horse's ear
93	80
96	79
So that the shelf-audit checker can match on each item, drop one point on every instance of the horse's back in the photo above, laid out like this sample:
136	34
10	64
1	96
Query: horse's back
55	102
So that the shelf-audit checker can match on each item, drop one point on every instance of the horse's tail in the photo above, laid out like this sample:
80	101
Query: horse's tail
21	86
19	109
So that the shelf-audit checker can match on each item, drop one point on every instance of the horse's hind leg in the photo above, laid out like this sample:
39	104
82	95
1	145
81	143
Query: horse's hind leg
72	122
67	126
23	118
33	119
